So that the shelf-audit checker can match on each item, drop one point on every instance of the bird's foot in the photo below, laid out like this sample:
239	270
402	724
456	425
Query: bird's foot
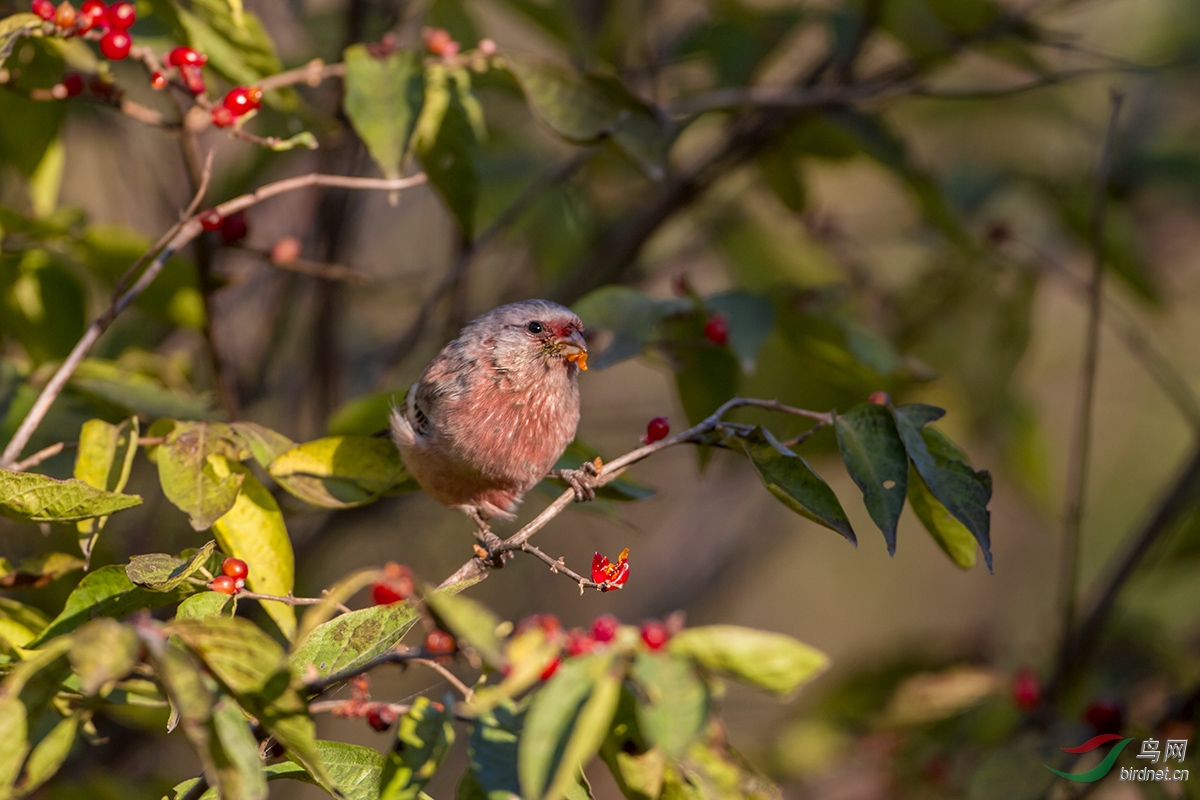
488	541
581	480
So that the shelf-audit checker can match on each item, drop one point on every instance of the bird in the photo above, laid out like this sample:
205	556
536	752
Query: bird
493	412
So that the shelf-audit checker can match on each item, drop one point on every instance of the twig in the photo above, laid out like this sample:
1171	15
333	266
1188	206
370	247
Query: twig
290	600
793	98
558	565
476	569
186	232
338	707
318	269
39	457
311	74
466	691
1077	477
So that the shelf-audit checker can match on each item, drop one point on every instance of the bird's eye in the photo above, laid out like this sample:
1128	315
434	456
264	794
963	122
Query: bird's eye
535	327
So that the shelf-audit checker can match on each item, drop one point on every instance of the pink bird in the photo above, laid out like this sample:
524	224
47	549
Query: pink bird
494	410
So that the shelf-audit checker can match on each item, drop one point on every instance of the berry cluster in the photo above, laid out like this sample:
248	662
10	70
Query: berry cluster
232	578
232	228
612	576
114	20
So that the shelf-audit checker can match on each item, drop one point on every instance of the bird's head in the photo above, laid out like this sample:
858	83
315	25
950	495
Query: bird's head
531	331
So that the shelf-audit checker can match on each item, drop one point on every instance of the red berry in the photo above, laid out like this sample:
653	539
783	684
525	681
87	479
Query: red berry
43	8
64	15
121	15
381	718
234	228
654	634
235	568
115	45
222	117
440	643
210	220
158	81
879	398
716	330
382	594
551	668
656	429
182	56
223	584
73	83
604	628
1026	691
437	40
91	14
1105	716
243	99
579	643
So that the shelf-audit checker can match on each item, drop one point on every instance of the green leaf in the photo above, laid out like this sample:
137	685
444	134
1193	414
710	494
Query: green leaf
37	570
265	444
106	592
103	651
254	531
492	750
471	622
19	623
355	770
586	108
964	492
423	735
630	315
366	415
337	595
104	461
751	319
341	471
206	605
673	707
706	376
448	152
239	769
135	392
195	469
383	97
950	534
352	639
36	498
771	661
566	724
788	477
15	26
49	754
14	742
160	572
252	667
876	460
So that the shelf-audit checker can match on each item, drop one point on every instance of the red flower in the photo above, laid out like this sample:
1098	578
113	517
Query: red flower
613	576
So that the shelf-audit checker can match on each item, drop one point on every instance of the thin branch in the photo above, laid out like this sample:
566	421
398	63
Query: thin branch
794	98
466	691
290	600
558	565
477	569
311	74
318	269
187	231
39	457
1077	478
340	707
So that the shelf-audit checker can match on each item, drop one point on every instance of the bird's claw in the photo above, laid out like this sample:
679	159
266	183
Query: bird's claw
488	542
581	480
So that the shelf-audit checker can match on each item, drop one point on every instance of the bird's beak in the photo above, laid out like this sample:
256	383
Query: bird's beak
574	348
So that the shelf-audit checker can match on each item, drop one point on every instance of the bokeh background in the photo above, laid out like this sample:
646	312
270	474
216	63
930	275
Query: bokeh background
937	233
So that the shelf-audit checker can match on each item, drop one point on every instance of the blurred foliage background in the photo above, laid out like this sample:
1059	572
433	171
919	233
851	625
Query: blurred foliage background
922	227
